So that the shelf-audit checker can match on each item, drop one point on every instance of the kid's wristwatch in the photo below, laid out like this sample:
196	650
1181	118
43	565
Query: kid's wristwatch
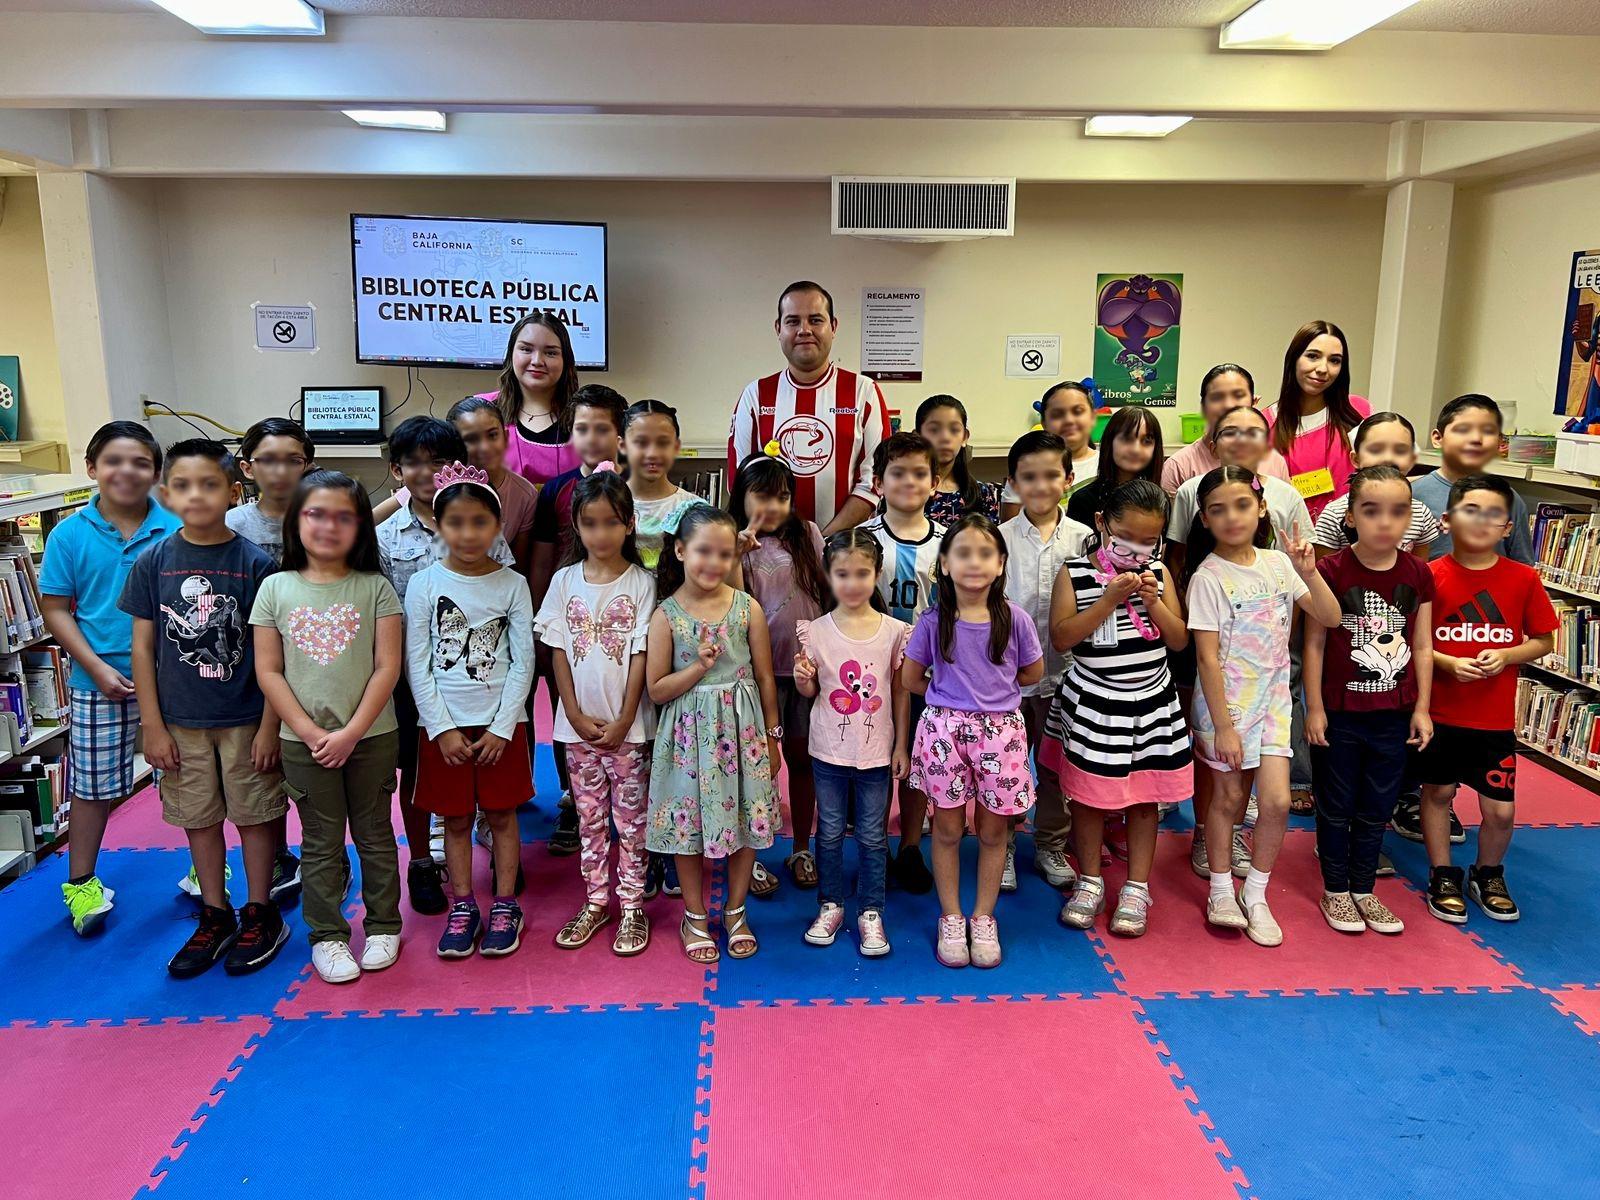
776	732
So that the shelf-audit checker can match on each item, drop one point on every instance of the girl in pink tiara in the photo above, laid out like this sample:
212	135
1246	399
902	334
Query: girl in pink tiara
469	657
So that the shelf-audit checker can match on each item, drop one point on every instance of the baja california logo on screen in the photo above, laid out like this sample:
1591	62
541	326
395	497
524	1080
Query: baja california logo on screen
449	290
806	443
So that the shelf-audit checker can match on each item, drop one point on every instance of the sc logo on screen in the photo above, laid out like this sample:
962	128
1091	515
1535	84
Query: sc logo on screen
806	443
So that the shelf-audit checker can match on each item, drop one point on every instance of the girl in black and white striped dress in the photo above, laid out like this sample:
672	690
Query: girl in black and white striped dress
1116	731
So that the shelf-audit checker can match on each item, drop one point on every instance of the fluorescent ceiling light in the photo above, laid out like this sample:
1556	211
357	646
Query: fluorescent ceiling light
1305	24
270	18
424	119
1132	126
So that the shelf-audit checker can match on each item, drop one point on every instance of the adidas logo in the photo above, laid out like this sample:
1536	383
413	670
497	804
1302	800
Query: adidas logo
1478	621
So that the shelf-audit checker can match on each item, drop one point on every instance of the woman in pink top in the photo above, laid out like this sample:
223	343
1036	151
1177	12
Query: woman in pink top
1227	386
1315	412
536	384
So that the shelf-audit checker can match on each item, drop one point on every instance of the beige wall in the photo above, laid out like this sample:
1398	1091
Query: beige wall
1510	269
26	328
695	270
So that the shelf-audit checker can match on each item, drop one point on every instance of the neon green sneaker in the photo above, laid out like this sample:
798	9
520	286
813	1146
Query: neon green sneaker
189	885
88	902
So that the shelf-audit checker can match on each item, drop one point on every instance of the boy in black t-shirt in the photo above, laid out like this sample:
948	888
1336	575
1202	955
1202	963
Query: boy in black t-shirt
207	727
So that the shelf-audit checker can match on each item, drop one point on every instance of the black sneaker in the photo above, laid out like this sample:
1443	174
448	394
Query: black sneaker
210	941
262	933
1487	887
654	872
1444	895
285	887
1407	819
425	883
912	872
565	838
1458	832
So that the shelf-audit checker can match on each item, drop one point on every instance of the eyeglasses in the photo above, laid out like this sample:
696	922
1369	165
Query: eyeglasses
327	516
437	464
1482	516
293	463
1234	433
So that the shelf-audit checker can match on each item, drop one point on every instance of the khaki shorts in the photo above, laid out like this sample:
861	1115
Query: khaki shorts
216	781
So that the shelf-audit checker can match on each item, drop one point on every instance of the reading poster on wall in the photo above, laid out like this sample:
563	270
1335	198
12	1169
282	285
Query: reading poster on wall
1578	377
1136	338
446	291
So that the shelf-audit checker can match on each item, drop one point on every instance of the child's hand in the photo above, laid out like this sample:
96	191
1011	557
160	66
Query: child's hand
1421	730
1491	662
900	765
804	668
1230	750
710	651
264	749
335	749
1122	586
1149	588
611	734
454	748
774	756
160	751
589	728
488	748
114	685
1465	670
1301	553
1317	728
747	541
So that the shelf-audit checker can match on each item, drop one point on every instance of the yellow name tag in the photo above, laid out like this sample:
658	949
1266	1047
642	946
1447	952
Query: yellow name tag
1313	483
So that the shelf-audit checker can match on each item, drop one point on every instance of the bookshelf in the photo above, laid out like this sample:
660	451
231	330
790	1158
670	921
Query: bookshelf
34	705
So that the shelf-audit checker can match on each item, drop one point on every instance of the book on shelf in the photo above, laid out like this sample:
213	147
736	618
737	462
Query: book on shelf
45	671
1566	546
1577	642
33	792
1564	724
708	485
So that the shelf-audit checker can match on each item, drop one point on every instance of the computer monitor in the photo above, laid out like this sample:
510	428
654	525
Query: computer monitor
343	416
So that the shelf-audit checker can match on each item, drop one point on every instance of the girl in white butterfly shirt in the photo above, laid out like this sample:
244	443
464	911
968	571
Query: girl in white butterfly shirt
469	657
595	617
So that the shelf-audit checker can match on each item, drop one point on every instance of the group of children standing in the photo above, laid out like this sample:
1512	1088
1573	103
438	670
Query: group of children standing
1111	633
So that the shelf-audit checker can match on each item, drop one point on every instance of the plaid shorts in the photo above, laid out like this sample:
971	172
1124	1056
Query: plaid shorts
102	738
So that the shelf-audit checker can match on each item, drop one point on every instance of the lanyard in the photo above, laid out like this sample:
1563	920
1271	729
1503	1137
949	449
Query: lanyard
1104	576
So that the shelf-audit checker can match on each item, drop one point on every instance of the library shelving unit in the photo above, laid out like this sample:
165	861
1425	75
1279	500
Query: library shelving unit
33	688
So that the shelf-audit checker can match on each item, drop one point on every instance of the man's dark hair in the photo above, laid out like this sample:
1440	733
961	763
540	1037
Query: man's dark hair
806	285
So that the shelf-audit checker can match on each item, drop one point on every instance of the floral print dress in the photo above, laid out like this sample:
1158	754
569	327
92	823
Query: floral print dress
711	788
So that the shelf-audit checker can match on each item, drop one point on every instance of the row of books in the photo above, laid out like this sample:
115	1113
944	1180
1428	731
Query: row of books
38	790
1577	649
33	691
1564	724
1566	546
708	485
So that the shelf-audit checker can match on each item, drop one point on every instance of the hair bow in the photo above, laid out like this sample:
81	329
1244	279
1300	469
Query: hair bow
675	517
607	465
1093	389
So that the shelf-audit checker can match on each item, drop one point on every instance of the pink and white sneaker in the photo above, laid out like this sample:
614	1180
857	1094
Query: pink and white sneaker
985	942
826	927
870	937
952	949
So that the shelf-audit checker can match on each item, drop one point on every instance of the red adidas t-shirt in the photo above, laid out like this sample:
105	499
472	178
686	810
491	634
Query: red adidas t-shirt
1493	609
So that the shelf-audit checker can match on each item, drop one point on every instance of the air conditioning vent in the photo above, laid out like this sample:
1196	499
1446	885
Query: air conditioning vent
923	210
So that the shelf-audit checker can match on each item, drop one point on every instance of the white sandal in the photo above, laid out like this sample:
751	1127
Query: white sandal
738	928
694	940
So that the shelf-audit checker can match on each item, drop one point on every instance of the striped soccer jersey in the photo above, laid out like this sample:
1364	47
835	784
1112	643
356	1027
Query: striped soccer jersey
826	432
906	581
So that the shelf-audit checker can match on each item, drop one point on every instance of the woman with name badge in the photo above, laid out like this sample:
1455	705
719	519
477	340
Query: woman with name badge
1315	414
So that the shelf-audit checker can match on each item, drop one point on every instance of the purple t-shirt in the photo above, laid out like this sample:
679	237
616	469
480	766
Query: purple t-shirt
972	682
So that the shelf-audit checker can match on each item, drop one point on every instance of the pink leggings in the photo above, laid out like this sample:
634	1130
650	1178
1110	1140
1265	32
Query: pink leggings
607	785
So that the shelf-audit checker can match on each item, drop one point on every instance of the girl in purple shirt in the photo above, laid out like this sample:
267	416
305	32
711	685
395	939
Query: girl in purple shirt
971	654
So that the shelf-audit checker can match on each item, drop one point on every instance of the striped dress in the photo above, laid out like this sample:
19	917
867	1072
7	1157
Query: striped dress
1115	736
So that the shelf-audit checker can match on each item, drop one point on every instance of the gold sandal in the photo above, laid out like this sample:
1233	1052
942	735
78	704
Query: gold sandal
633	934
739	935
577	932
763	882
697	941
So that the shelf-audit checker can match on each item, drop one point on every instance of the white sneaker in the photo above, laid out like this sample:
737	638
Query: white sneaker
481	833
380	951
334	962
436	838
1008	877
1053	865
1242	861
189	885
1251	811
826	927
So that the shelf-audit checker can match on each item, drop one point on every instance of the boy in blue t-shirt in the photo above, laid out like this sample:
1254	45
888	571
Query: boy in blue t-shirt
207	727
86	564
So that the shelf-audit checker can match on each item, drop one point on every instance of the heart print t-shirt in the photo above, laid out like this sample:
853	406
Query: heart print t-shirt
329	633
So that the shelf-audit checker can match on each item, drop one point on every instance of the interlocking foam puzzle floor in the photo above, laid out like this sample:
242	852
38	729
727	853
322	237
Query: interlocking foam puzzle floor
1186	1064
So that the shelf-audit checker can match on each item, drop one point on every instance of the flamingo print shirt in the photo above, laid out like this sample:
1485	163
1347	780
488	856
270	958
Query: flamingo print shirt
599	627
852	720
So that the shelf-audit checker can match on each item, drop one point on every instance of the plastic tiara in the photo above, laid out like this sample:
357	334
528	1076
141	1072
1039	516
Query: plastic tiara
455	472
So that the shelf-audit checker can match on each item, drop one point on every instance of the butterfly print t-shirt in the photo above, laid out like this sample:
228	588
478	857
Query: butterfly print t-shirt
469	649
329	633
599	627
852	719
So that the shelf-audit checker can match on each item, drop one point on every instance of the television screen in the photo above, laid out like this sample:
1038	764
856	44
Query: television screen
445	291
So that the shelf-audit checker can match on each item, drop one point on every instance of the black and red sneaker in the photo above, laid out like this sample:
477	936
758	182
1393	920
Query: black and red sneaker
211	940
262	933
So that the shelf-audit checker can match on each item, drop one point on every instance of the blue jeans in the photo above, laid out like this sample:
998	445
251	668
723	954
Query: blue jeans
871	788
1358	781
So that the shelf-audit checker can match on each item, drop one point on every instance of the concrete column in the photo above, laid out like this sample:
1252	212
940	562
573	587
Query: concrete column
1411	295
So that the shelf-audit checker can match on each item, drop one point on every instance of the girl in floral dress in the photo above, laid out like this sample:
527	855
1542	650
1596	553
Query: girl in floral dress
708	665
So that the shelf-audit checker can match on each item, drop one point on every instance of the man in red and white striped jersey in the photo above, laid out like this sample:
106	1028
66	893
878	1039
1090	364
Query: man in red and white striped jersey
827	421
